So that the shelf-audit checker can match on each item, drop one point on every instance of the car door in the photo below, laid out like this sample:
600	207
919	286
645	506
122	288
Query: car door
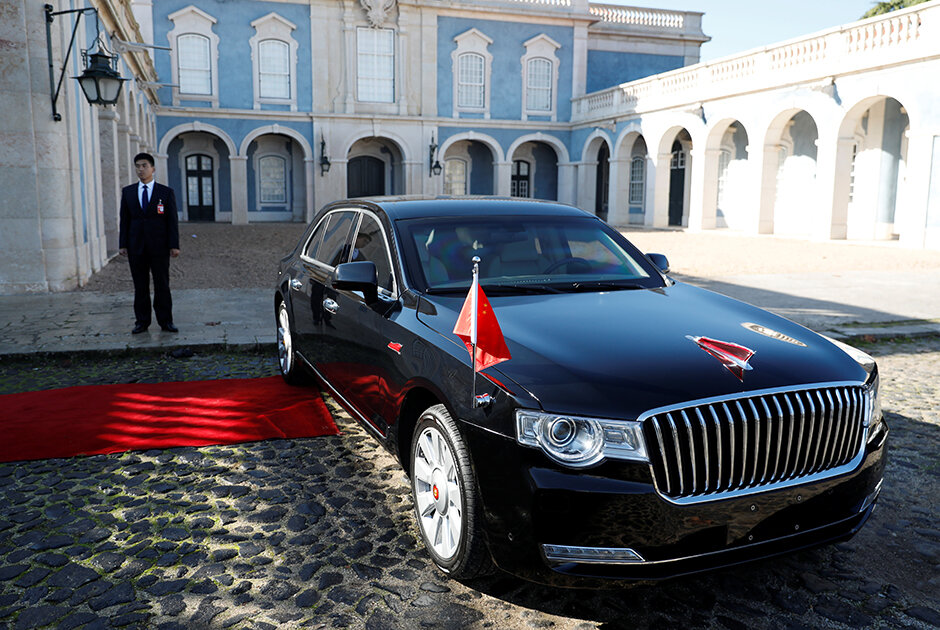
362	334
326	248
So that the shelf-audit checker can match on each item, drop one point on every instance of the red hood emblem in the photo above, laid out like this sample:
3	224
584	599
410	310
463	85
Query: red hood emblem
731	355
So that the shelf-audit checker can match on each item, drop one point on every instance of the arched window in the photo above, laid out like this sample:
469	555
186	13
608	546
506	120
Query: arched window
520	184
637	180
455	176
470	80
274	69
195	69
539	85
272	179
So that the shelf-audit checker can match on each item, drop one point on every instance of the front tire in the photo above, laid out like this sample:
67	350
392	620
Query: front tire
287	361
444	490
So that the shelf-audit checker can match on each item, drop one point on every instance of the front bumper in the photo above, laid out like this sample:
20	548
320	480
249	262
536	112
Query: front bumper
554	525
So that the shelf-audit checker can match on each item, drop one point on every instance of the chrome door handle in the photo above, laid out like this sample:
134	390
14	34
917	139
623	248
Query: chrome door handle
296	284
330	306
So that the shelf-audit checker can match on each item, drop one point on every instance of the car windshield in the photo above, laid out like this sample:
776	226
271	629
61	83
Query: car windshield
523	254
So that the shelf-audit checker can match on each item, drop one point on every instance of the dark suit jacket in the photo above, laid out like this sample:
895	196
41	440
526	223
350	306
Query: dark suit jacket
148	230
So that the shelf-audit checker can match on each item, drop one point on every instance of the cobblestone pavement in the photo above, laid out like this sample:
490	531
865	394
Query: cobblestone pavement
319	533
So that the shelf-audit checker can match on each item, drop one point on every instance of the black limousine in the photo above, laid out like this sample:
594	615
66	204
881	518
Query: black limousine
642	428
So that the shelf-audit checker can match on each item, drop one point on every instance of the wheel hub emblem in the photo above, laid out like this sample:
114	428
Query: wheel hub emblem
436	492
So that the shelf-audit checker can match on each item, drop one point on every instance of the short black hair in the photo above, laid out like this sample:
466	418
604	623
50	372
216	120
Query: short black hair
144	156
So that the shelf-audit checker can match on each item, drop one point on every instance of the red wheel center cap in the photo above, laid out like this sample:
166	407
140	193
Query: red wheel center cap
436	492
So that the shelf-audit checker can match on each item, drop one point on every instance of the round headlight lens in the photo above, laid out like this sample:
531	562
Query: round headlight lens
569	440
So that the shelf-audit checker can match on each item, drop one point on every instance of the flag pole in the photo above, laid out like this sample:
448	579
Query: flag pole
474	291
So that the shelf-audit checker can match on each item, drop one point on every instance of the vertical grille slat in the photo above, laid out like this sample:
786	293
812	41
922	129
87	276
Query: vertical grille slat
736	444
706	447
718	440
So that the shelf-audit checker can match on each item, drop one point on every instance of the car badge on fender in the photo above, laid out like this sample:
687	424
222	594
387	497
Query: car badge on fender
731	355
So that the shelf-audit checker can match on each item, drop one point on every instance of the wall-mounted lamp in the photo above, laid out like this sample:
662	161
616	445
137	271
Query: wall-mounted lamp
324	160
100	81
434	167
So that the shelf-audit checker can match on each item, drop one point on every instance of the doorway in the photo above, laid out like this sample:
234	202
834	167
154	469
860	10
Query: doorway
365	176
200	194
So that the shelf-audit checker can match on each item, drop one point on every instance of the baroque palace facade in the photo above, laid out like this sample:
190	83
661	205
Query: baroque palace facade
264	111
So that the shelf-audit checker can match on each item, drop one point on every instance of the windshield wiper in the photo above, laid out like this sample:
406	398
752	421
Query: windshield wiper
605	285
521	288
447	290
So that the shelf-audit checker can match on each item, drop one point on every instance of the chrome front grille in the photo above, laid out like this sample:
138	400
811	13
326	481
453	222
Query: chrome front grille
714	448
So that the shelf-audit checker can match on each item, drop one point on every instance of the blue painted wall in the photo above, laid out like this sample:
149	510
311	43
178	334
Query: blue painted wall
507	50
234	29
606	69
236	128
481	171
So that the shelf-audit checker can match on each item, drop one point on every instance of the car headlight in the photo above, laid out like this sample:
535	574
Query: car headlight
875	415
579	442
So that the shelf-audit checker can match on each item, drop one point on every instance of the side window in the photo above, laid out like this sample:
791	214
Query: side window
334	248
370	245
314	242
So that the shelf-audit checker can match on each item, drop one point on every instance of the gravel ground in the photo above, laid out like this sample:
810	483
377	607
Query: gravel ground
222	256
319	533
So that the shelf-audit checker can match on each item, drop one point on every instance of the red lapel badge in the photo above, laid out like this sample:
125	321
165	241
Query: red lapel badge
731	355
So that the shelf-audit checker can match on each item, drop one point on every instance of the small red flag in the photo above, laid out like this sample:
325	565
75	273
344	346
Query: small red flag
479	325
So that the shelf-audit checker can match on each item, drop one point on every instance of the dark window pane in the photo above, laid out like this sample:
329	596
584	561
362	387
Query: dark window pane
334	248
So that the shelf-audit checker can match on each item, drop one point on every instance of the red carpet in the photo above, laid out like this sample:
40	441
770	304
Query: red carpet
99	419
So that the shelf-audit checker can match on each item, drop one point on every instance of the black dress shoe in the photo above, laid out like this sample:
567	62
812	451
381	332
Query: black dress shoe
169	328
139	328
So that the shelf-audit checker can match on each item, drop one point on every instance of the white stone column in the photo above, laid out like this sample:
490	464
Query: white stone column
921	227
703	213
615	202
503	177
823	227
239	193
110	177
661	195
310	167
567	187
766	169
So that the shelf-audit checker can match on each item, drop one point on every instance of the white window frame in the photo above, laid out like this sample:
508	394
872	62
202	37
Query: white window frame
193	21
259	180
637	181
364	36
473	42
273	27
465	164
544	47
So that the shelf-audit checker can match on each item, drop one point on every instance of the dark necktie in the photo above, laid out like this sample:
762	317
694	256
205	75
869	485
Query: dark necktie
144	199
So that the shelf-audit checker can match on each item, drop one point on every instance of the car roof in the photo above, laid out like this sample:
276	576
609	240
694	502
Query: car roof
421	207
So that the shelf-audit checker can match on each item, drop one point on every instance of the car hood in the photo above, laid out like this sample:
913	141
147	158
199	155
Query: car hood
620	353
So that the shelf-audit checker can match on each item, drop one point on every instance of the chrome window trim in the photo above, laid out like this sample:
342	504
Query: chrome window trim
383	293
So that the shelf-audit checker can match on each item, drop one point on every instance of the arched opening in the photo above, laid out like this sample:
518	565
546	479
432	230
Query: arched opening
602	182
731	198
534	171
875	165
796	200
276	189
468	169
680	169
198	169
374	167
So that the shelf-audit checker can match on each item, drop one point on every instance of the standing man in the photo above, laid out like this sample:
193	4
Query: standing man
149	237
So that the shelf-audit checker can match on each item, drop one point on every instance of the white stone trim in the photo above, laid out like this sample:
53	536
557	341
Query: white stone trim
472	41
540	47
194	21
273	26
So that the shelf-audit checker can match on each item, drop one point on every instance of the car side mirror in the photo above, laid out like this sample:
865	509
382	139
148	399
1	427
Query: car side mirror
357	276
661	262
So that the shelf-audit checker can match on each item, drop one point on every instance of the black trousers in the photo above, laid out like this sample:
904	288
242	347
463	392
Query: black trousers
143	266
